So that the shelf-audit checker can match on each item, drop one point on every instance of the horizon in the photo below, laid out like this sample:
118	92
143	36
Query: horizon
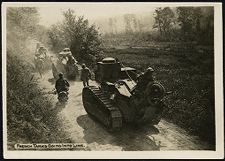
94	12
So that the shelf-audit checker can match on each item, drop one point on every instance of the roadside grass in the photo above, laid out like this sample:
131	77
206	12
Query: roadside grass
30	118
188	71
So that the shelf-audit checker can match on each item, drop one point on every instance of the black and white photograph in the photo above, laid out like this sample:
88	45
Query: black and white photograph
112	80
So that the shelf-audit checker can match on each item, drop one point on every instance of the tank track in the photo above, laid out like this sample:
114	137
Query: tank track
98	105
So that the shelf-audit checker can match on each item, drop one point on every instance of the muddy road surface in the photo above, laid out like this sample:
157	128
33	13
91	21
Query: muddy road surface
80	128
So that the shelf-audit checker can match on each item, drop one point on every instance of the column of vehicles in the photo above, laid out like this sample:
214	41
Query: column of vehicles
121	96
67	66
63	62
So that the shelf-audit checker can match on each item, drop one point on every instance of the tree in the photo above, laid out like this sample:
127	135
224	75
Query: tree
115	25
128	23
135	23
208	27
111	24
164	19
189	19
21	24
75	32
56	38
140	26
131	23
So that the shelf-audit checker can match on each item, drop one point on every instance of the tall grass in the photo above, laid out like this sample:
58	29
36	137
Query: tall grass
30	118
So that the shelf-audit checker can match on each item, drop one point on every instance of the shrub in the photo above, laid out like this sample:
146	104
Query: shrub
29	114
76	33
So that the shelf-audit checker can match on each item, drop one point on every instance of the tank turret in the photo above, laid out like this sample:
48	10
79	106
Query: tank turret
111	70
122	97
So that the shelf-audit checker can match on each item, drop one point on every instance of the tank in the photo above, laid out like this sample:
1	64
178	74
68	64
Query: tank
116	101
63	65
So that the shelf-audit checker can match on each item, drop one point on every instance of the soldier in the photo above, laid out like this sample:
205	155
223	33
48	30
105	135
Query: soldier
85	75
145	78
142	82
61	84
41	52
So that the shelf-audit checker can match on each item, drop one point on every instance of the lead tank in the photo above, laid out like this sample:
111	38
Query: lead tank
116	102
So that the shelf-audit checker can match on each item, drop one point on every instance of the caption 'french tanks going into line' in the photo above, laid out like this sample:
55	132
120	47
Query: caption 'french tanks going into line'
122	97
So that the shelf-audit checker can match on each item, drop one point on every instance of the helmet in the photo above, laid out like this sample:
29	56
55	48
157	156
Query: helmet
66	50
83	65
150	69
60	75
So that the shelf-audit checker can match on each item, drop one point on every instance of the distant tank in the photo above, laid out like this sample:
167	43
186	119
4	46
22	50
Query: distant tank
66	64
116	101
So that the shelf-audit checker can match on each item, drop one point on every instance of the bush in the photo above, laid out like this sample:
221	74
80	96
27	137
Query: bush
29	114
76	33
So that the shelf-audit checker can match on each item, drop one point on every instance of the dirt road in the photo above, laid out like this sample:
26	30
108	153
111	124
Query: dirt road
81	129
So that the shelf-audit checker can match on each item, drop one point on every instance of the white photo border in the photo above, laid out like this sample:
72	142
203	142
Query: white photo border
190	154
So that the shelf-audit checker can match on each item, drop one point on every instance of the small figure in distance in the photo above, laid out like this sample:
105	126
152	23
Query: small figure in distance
85	75
41	52
62	84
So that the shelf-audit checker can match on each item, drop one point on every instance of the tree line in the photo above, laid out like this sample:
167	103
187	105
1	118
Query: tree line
171	24
185	23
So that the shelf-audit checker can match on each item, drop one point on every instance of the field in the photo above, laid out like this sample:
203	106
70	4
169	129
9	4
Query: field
187	70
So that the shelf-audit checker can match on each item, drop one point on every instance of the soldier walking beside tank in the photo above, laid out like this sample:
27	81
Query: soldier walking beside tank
85	75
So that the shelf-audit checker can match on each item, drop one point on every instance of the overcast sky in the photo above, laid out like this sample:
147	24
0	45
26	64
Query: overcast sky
50	15
52	12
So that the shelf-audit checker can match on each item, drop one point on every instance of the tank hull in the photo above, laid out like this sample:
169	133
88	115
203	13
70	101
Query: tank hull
122	97
100	107
121	111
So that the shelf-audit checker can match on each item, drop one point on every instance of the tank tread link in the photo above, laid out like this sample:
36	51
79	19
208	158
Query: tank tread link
102	108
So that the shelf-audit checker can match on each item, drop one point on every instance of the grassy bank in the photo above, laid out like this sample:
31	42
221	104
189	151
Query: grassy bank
185	69
30	118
